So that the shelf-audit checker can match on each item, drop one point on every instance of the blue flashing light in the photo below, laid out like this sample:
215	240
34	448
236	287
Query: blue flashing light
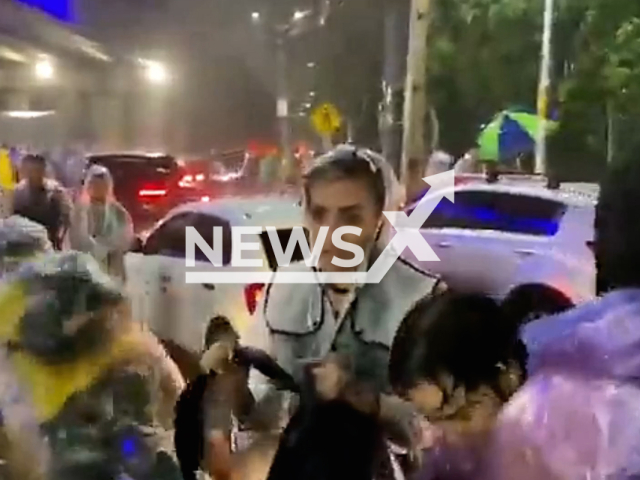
491	219
62	10
129	447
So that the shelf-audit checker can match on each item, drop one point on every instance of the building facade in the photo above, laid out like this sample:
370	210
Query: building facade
58	88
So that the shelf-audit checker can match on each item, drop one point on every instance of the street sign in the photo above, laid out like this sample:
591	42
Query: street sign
326	119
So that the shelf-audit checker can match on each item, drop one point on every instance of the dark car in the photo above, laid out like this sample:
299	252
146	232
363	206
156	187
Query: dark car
147	185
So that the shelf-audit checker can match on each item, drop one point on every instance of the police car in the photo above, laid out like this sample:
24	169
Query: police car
180	312
512	233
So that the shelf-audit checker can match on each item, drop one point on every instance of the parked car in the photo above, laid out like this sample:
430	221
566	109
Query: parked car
179	312
148	185
515	233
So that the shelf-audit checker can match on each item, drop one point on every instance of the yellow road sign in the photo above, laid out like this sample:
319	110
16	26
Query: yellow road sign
326	119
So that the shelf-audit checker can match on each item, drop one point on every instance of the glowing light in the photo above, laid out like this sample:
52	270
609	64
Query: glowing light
311	64
199	177
155	72
27	114
205	199
44	69
255	16
152	193
299	14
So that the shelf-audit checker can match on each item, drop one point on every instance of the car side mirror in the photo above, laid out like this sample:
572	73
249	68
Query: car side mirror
137	245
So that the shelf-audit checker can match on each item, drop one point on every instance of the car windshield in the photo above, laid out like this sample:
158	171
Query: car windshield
127	169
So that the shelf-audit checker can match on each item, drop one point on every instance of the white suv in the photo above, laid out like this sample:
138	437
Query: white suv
179	312
513	233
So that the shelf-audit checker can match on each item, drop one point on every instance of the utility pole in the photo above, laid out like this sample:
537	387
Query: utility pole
611	143
543	89
414	149
283	104
396	21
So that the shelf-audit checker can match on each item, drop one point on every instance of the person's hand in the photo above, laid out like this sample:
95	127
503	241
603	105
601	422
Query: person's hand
330	378
427	434
219	357
406	428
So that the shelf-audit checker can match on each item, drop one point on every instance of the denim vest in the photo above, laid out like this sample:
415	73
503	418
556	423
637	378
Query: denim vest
301	325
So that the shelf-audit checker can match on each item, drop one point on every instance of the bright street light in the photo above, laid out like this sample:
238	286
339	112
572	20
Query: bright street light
44	69
255	16
311	64
300	14
312	94
28	114
156	72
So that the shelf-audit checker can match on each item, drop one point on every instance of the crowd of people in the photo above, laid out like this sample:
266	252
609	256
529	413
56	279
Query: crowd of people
404	379
94	222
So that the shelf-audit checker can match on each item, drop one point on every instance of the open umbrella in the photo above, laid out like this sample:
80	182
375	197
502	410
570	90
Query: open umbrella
511	133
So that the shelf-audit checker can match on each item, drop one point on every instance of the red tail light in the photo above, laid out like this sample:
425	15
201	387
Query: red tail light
152	192
252	295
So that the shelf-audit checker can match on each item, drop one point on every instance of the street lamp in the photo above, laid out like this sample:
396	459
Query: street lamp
156	72
255	16
300	14
311	65
44	69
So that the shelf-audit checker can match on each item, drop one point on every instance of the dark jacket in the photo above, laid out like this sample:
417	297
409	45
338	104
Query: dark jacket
49	206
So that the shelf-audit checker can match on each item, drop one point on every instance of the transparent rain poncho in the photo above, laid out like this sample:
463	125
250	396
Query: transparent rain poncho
103	230
577	417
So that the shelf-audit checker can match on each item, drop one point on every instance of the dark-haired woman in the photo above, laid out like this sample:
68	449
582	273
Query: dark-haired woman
299	323
458	359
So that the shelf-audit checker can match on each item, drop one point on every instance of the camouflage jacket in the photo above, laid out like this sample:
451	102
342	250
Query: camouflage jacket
121	423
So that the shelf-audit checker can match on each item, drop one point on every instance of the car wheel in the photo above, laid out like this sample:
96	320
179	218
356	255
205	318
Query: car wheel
529	302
